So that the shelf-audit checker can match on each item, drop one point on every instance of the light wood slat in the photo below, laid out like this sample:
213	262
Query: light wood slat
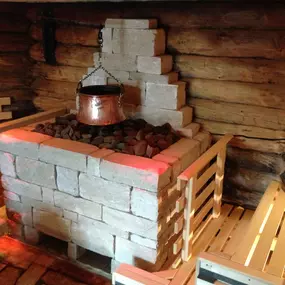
206	176
5	116
180	203
31	119
178	225
177	246
187	268
204	159
258	260
201	228
192	280
166	274
199	218
238	233
204	195
226	230
5	101
277	261
256	222
181	184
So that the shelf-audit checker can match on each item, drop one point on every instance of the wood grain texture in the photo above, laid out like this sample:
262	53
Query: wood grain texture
14	42
265	95
231	69
13	23
47	104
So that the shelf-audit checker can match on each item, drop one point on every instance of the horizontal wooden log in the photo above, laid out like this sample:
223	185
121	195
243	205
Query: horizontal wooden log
12	81
17	94
239	114
262	145
231	69
186	15
249	179
14	8
14	42
67	55
46	104
255	160
70	34
15	60
266	95
221	128
232	43
58	73
13	23
54	89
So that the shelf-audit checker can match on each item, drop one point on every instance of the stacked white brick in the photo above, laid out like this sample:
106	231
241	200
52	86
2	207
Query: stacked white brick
113	204
134	52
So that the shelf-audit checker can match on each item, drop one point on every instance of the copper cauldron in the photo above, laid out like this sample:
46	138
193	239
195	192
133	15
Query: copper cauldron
100	105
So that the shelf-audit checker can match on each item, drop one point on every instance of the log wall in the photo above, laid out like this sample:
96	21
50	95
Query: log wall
232	56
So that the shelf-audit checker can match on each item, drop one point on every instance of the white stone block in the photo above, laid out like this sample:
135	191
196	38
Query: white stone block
7	164
47	207
117	61
31	235
94	159
21	188
189	131
154	78
177	118
78	205
93	239
166	96
139	42
205	140
155	64
11	196
74	251
144	204
67	180
36	172
21	142
131	23
144	241
48	195
130	223
70	215
105	192
119	74
135	171
23	212
52	225
94	80
174	162
107	40
186	150
103	227
114	265
132	253
66	153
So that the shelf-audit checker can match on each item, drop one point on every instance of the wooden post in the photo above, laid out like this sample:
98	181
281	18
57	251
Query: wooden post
189	211
219	179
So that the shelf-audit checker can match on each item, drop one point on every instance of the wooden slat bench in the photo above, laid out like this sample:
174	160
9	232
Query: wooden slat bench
260	254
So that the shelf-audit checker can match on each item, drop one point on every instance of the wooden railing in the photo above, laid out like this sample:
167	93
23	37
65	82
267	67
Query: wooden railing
201	187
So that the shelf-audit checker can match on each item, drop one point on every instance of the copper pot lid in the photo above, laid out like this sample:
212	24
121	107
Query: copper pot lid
95	90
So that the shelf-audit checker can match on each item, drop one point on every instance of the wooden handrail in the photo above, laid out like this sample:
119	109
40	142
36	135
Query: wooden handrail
204	159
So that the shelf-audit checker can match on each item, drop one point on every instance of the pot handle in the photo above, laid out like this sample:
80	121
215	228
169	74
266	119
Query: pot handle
79	85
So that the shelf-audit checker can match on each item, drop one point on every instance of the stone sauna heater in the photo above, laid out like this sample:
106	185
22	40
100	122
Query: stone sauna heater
108	201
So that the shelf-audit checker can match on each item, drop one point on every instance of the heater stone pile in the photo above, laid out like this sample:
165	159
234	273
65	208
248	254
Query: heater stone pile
133	51
115	204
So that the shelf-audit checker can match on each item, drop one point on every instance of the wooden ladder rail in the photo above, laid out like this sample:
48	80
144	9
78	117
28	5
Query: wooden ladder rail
189	182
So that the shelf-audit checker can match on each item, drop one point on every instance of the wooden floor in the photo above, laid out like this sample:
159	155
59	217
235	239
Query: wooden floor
221	235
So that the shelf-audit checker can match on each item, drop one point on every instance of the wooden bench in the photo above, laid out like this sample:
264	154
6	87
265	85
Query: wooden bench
260	255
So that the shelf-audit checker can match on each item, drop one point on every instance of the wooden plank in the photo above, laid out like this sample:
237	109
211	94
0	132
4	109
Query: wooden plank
31	119
13	23
167	274
178	225
233	43
238	233
5	115
204	211
204	195
17	94
49	103
59	73
256	222
70	34
14	42
276	264
231	69
262	250
5	101
204	159
206	176
180	203
240	114
226	230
